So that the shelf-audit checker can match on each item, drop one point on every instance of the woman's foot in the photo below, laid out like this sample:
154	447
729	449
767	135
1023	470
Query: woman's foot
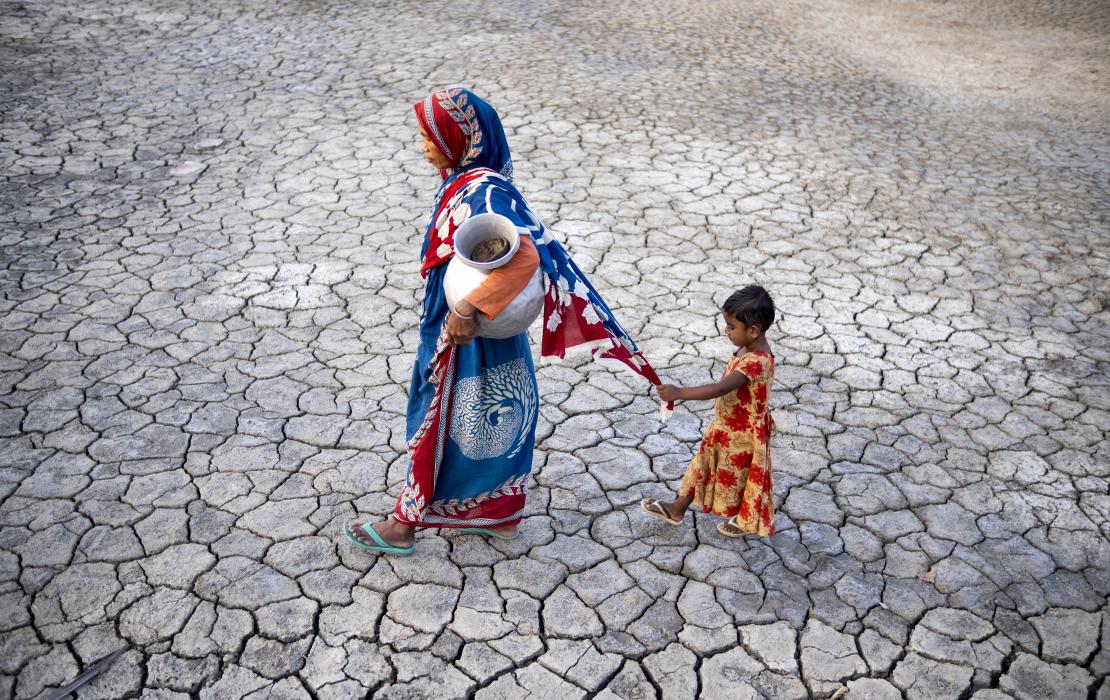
501	532
394	533
506	531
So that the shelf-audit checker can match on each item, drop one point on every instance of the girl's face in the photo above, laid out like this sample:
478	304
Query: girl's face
431	151
738	332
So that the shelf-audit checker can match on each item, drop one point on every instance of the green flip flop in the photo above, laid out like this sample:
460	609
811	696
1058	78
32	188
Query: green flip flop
488	533
381	546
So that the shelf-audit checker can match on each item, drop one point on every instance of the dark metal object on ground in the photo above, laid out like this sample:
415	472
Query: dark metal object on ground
90	673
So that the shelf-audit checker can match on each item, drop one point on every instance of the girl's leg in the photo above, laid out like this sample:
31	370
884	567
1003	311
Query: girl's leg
677	508
696	475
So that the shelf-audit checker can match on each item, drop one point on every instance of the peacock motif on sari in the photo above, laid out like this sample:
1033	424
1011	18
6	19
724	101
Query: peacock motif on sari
490	410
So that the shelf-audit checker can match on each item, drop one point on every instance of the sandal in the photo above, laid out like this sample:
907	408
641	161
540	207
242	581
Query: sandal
382	546
655	509
731	522
487	532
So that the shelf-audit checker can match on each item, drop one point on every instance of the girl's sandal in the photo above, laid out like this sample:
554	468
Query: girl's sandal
655	509
729	528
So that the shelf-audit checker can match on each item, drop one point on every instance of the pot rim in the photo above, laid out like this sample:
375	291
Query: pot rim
482	227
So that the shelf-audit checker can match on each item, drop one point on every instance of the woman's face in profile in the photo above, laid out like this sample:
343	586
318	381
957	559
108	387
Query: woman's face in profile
431	151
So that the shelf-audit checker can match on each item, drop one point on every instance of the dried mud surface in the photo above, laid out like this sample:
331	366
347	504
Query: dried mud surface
209	294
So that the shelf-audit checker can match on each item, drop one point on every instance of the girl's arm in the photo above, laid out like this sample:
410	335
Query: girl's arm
731	382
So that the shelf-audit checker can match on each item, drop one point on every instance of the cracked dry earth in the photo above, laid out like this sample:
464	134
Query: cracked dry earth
209	237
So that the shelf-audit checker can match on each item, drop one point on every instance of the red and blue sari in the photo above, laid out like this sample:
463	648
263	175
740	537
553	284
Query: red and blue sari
472	409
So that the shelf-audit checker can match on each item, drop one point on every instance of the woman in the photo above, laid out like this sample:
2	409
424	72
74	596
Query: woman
473	401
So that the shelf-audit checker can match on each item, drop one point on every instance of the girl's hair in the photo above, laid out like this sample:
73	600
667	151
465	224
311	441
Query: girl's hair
751	306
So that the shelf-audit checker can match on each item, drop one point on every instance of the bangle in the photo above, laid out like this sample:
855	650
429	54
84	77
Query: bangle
465	318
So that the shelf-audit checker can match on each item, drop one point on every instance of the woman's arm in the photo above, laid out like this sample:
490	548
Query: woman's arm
731	382
494	294
505	282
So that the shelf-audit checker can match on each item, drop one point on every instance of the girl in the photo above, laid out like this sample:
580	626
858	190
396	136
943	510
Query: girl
731	473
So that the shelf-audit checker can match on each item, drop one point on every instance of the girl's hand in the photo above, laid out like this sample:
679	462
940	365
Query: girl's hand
668	392
460	330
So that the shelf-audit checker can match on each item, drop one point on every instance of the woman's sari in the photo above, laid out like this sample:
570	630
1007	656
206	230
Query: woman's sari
472	409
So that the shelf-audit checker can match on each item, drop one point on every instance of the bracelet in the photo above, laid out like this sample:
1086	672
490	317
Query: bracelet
465	318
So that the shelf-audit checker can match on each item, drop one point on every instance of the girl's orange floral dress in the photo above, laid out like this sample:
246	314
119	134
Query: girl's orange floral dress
731	473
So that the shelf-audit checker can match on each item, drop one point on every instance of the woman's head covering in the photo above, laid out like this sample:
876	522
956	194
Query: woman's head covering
466	130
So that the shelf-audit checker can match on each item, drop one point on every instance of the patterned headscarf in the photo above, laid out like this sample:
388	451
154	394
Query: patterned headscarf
466	130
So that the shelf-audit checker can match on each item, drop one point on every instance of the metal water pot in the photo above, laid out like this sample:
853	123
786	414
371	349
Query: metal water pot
464	275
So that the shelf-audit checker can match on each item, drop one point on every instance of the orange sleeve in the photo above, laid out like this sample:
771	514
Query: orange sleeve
505	282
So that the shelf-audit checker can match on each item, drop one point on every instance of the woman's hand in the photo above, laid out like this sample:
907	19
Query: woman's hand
668	392
462	330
